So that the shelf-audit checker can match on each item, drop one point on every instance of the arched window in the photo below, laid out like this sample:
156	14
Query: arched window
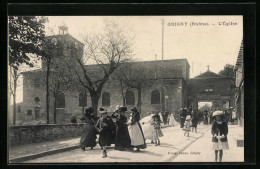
105	99
83	99
130	98
155	97
60	101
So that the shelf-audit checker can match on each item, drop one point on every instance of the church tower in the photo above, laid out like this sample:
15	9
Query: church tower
64	44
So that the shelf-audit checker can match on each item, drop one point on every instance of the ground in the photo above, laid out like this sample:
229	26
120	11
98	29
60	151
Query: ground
175	147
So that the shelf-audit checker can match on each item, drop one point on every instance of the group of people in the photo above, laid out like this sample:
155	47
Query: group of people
189	120
131	133
125	134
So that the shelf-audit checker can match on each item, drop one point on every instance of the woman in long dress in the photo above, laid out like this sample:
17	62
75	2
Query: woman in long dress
88	138
135	131
123	140
172	121
148	128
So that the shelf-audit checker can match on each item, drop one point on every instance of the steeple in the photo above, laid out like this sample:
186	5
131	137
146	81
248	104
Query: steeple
208	67
63	28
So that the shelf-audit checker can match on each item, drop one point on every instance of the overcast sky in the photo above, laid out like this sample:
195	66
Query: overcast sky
214	45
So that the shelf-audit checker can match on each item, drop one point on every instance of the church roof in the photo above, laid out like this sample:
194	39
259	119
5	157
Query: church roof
207	74
65	36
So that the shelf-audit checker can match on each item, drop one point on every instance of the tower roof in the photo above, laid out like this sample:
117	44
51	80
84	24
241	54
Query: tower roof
207	74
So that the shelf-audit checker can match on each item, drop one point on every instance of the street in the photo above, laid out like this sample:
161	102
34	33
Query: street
172	142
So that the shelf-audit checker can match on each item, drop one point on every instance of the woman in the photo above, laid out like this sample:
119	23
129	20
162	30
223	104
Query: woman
172	121
88	139
219	132
123	140
135	131
106	128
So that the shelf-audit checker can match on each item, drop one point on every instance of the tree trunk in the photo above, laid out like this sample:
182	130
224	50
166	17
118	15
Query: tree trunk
14	97
122	93
82	110
54	111
94	99
139	98
47	91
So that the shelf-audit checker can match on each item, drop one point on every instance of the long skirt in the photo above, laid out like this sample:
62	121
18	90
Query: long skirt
172	121
220	145
148	131
122	137
158	133
88	138
106	137
136	135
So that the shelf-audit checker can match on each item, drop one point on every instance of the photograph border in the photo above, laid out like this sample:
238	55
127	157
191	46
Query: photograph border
248	11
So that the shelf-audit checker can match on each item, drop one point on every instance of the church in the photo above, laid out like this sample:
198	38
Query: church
168	87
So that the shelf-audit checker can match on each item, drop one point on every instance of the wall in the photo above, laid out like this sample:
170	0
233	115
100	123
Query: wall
27	134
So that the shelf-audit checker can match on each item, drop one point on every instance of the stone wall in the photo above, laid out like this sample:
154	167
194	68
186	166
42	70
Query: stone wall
26	134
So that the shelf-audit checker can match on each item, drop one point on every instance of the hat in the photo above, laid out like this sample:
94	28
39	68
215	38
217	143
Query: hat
188	117
89	110
102	110
134	109
122	109
217	113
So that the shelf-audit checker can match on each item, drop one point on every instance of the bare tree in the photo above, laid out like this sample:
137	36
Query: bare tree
107	50
60	82
51	48
130	75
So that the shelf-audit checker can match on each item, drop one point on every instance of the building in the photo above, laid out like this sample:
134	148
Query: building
164	87
211	87
239	96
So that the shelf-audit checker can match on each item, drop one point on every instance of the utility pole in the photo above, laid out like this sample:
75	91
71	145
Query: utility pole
162	86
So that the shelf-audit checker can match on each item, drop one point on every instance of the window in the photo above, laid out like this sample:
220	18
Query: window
105	99
29	112
209	89
155	97
37	99
130	98
60	101
83	99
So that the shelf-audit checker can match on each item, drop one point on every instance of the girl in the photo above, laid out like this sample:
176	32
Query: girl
187	125
219	132
106	127
194	121
157	129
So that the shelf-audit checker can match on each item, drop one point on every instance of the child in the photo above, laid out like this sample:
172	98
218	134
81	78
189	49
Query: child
168	120
105	126
157	129
219	131
187	125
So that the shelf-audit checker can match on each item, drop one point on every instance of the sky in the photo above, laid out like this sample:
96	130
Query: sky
202	40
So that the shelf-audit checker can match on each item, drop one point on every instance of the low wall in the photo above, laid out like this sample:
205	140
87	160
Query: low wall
26	134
